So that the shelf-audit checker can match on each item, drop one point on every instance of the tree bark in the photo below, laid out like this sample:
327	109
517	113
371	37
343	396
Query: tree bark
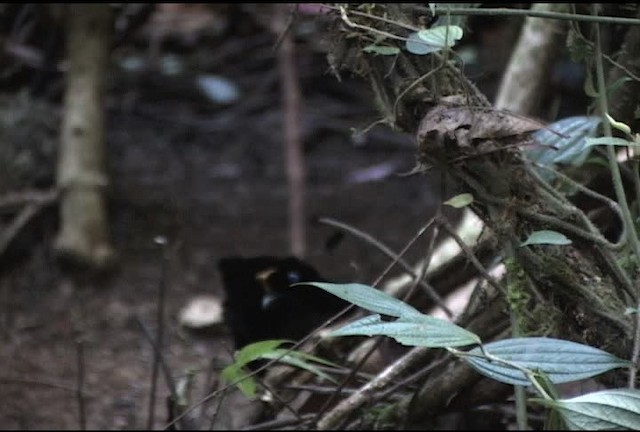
575	292
81	177
527	75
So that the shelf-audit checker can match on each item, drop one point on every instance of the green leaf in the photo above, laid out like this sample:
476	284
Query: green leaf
367	297
256	351
615	409
301	360
460	201
630	311
236	371
546	237
611	141
622	127
238	375
420	330
560	360
381	49
564	142
433	39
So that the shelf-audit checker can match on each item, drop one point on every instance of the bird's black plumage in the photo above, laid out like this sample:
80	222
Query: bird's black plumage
261	304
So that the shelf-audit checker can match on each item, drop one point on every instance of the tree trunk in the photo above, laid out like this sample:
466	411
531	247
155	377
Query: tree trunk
577	291
81	176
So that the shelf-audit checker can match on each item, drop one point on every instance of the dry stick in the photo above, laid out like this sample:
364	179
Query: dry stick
162	241
389	374
384	249
28	196
214	417
273	424
294	156
19	222
163	365
80	384
470	255
44	384
209	385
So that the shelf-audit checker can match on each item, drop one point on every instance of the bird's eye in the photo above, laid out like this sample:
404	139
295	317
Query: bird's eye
293	277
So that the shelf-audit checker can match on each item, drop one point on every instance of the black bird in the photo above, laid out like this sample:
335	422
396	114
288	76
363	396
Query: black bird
260	304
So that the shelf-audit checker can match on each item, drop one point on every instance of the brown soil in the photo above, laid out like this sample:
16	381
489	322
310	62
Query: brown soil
212	180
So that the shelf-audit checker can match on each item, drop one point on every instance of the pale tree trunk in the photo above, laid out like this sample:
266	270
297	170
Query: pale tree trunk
527	75
81	176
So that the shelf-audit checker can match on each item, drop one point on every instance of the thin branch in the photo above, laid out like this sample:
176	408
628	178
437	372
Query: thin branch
470	255
538	14
157	351
80	384
53	385
384	249
278	423
28	196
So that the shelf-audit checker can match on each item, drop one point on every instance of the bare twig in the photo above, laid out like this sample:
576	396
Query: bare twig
34	203
53	385
384	249
470	255
538	14
80	384
13	199
157	351
273	424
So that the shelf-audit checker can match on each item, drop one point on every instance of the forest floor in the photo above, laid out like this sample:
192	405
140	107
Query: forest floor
211	179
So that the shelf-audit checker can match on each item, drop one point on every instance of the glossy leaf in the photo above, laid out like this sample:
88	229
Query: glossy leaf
460	201
615	409
546	237
368	298
564	142
560	360
420	330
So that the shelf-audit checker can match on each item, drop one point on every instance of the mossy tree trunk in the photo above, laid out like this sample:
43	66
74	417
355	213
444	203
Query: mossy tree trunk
577	291
81	176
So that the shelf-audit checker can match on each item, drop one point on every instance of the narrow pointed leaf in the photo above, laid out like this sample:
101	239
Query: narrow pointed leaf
245	383
546	237
459	201
294	359
368	298
616	409
414	331
256	351
560	360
